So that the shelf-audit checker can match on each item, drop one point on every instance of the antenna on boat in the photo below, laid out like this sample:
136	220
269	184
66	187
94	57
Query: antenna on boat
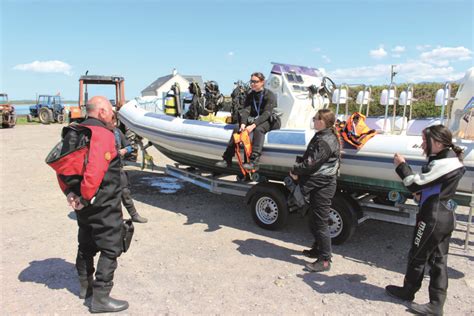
392	73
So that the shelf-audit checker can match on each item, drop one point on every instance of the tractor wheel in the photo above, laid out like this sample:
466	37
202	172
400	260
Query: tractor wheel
45	115
29	118
12	120
61	118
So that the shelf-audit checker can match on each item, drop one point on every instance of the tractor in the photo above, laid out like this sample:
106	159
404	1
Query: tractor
7	112
78	113
48	109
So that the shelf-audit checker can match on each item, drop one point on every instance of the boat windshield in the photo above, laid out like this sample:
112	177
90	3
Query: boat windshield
294	78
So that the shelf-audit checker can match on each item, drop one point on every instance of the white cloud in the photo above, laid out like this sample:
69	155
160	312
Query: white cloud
398	49
50	66
411	71
230	54
378	53
326	59
442	56
423	47
316	49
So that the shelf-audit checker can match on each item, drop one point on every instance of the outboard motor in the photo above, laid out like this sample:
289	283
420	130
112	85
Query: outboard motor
214	99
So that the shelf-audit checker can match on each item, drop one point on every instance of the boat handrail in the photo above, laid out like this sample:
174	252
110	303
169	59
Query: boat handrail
364	98
339	99
443	97
406	98
389	99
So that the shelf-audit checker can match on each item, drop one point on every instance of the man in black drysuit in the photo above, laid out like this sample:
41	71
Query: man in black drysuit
96	200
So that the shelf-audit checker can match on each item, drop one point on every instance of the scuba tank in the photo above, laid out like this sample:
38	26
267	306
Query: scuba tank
173	101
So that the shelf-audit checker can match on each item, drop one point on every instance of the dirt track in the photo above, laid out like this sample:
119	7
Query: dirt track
200	253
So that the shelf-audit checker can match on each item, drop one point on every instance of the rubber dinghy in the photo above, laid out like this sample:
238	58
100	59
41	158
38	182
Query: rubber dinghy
369	169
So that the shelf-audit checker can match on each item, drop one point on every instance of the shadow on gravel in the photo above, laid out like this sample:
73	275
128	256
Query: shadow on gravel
55	273
265	249
347	283
375	243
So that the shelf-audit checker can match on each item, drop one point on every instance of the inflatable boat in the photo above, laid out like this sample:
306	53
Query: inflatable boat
369	169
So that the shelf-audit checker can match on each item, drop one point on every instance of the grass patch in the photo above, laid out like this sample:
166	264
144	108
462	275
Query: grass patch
21	120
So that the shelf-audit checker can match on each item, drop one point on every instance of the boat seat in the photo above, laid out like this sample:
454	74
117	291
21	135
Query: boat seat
415	127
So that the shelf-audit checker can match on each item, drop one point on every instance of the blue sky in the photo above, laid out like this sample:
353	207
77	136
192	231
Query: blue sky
47	45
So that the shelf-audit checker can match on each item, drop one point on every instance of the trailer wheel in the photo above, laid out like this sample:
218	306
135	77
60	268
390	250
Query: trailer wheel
45	115
342	220
268	205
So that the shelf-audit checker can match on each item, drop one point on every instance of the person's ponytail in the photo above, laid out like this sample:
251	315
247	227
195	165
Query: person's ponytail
458	151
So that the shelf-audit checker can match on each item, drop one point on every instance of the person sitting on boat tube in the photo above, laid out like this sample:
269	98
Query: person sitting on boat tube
256	117
436	186
316	173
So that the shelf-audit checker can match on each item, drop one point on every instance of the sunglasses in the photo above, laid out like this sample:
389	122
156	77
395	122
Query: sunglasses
255	81
316	118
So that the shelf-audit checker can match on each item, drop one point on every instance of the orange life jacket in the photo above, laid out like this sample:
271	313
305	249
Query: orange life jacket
244	139
354	131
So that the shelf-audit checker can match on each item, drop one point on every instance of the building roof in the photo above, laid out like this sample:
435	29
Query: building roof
162	80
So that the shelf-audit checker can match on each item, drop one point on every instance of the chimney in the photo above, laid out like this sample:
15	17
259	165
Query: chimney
175	72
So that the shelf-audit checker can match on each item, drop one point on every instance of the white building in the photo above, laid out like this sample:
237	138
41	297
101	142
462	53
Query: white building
162	85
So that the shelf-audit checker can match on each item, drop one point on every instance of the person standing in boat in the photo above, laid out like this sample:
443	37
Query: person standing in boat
316	173
256	117
435	186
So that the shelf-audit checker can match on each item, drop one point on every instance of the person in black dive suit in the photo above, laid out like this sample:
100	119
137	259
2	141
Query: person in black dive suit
435	187
124	148
256	117
316	174
94	191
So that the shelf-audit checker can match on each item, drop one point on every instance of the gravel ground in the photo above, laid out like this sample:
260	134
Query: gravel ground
200	253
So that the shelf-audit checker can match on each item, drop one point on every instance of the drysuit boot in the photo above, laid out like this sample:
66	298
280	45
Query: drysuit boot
139	219
103	303
405	292
319	265
313	252
253	164
86	286
434	307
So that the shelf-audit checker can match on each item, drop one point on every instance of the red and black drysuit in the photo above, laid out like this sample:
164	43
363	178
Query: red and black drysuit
435	221
317	172
87	164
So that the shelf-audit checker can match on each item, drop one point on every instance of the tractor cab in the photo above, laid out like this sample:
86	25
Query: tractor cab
78	113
